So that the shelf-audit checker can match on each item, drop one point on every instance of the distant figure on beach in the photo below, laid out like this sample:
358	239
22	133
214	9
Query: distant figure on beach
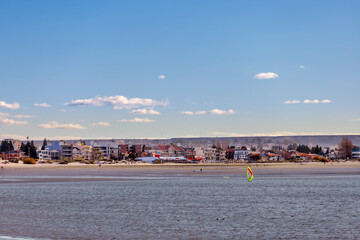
2	167
100	165
200	169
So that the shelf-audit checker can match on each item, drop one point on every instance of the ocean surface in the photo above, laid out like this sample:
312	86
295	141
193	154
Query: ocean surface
184	207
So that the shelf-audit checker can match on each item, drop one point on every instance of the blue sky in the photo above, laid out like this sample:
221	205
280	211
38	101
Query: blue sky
160	69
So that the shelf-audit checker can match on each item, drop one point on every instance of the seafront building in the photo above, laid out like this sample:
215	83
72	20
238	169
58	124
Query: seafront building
213	152
241	154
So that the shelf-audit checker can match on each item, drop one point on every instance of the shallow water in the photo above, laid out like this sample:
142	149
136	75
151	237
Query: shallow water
286	207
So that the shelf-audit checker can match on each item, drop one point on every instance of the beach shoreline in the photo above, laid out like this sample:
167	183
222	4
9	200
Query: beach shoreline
347	164
106	172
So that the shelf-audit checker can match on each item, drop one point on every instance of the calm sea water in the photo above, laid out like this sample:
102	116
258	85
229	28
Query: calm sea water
305	207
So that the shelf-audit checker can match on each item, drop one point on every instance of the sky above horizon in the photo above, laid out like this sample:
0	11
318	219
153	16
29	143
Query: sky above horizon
162	69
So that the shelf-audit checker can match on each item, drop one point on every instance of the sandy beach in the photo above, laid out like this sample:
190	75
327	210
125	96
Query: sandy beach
82	172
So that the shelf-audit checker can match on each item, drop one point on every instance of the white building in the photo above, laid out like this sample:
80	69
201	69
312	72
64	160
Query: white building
241	154
44	154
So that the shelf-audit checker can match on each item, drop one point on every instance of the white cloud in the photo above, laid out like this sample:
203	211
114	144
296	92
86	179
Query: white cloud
187	113
302	67
11	122
5	105
55	125
145	112
277	134
267	75
189	136
307	101
311	101
23	116
14	136
271	134
221	112
162	76
200	112
213	112
118	102
101	124
2	114
137	120
60	138
355	119
44	104
292	102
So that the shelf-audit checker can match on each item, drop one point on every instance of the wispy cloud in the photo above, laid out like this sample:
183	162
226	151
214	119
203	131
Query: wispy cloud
311	101
274	134
2	114
118	102
14	136
189	136
23	116
56	125
292	102
44	104
268	75
355	119
212	112
11	122
302	67
7	119
221	112
162	77
145	112
307	101
187	113
101	124
194	113
137	120
5	105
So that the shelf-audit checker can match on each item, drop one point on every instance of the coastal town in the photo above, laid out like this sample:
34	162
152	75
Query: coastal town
159	152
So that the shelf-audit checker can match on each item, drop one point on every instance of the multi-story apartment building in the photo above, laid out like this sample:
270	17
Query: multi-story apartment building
241	154
67	151
43	154
215	154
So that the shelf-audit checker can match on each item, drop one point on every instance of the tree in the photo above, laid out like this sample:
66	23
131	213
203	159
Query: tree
303	149
132	156
6	146
29	149
44	144
292	146
317	150
345	147
255	157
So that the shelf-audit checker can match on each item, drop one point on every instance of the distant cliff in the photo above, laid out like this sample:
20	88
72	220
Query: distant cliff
323	140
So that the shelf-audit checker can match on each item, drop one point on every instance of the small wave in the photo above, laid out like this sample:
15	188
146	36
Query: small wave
19	238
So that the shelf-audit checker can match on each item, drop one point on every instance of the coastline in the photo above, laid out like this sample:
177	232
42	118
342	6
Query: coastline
115	172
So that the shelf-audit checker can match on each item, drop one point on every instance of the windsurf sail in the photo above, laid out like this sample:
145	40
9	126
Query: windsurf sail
249	174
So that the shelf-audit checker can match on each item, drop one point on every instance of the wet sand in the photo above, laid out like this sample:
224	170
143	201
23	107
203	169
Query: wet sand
11	173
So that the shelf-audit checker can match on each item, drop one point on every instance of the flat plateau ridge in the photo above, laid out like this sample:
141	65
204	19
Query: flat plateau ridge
323	140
